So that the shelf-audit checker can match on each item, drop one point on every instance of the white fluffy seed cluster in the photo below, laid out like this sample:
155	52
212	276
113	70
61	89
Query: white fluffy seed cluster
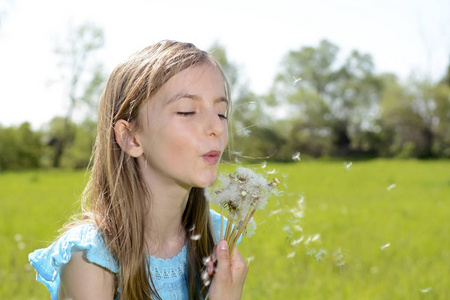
240	191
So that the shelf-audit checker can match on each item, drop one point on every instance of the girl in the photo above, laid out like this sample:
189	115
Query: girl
146	226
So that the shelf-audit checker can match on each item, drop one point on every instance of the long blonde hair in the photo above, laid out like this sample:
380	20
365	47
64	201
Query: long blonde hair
113	198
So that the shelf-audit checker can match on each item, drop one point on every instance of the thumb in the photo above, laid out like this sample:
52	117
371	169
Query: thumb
223	260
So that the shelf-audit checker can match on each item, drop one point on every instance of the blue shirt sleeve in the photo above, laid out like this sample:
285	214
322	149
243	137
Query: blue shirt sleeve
49	261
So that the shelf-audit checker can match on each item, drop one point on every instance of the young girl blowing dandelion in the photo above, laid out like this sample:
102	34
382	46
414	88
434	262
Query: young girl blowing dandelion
146	225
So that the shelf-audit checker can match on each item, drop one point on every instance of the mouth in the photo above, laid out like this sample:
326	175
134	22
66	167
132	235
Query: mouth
212	157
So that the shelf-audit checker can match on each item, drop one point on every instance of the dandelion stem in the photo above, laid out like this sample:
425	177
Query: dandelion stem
221	223
247	219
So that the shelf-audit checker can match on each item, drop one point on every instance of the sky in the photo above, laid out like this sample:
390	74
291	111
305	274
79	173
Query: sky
402	36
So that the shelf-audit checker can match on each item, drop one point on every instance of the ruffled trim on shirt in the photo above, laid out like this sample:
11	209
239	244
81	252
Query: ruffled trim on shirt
49	261
169	275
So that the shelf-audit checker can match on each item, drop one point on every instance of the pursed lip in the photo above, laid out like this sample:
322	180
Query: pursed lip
212	157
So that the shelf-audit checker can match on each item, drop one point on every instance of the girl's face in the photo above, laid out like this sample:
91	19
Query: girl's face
183	129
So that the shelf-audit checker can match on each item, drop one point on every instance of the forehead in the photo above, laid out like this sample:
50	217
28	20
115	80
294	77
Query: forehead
201	80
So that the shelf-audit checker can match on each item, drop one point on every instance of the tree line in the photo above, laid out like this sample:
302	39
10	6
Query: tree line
318	105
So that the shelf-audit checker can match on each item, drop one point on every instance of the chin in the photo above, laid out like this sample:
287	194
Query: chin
206	183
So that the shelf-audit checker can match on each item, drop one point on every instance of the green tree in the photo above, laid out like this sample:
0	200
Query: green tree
82	77
331	106
20	148
78	153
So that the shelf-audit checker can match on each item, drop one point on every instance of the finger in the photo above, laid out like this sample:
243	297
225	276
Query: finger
239	267
223	260
210	268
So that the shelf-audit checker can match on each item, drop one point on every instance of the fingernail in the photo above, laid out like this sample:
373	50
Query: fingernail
223	245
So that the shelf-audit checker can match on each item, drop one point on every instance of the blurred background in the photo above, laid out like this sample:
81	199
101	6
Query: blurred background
330	95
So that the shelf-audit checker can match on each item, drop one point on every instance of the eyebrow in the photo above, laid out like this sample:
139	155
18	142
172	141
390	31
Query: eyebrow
193	97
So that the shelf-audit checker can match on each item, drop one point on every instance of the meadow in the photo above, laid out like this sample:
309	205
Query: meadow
375	229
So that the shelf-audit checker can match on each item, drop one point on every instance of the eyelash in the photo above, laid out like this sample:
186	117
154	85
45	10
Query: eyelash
190	113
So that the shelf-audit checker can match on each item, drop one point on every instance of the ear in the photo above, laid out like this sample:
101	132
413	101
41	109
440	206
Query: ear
127	139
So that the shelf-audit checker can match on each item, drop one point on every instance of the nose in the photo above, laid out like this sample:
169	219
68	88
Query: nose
214	124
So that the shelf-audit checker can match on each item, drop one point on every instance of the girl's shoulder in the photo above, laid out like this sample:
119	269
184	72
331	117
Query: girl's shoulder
49	261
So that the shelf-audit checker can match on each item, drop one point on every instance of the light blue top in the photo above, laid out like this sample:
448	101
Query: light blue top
169	275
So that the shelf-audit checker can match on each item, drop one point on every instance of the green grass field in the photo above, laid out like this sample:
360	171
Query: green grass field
377	230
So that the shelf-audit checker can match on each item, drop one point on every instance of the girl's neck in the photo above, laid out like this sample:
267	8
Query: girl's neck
166	235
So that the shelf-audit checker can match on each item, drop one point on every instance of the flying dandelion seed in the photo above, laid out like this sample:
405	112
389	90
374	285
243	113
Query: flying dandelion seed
297	79
291	255
271	172
347	165
192	228
427	290
27	267
296	156
196	237
206	260
385	246
250	259
17	237
339	258
391	187
296	242
264	165
274	212
21	245
297	213
298	228
242	131
320	254
315	238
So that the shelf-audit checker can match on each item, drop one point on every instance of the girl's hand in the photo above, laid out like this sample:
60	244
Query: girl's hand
229	275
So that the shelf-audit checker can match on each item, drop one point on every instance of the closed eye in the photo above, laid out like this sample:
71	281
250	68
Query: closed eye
185	113
222	116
